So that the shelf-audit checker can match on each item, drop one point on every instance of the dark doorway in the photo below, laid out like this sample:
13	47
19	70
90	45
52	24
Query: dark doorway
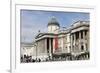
51	45
82	47
81	34
77	35
47	45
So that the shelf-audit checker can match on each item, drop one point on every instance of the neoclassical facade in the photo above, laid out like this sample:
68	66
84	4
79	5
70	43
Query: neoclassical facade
80	39
71	43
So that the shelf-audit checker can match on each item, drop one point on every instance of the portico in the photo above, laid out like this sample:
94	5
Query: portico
79	40
45	44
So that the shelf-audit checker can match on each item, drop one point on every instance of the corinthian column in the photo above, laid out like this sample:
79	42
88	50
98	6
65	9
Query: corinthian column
45	45
49	46
74	38
84	41
71	43
83	34
80	41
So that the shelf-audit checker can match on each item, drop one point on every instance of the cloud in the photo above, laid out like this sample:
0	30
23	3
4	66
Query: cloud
32	21
28	34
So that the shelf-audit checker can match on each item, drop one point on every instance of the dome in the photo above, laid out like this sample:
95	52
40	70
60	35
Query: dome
53	21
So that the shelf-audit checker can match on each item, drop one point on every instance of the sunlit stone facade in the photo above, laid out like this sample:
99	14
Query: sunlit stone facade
72	43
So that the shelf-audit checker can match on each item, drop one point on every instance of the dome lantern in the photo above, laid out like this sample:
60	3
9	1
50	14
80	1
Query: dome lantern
53	25
53	21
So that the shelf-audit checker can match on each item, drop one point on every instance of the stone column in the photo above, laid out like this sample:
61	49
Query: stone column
49	47
74	38
71	50
62	44
83	34
37	51
53	45
84	42
79	35
88	40
74	42
45	44
79	41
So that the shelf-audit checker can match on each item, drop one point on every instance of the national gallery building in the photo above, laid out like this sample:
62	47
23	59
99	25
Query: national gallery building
71	43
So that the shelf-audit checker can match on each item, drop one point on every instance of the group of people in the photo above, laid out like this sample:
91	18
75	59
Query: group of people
28	59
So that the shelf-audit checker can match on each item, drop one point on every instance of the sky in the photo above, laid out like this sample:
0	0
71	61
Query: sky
34	20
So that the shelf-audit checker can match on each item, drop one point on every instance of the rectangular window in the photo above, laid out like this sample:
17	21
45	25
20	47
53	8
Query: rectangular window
77	35
81	34
85	32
